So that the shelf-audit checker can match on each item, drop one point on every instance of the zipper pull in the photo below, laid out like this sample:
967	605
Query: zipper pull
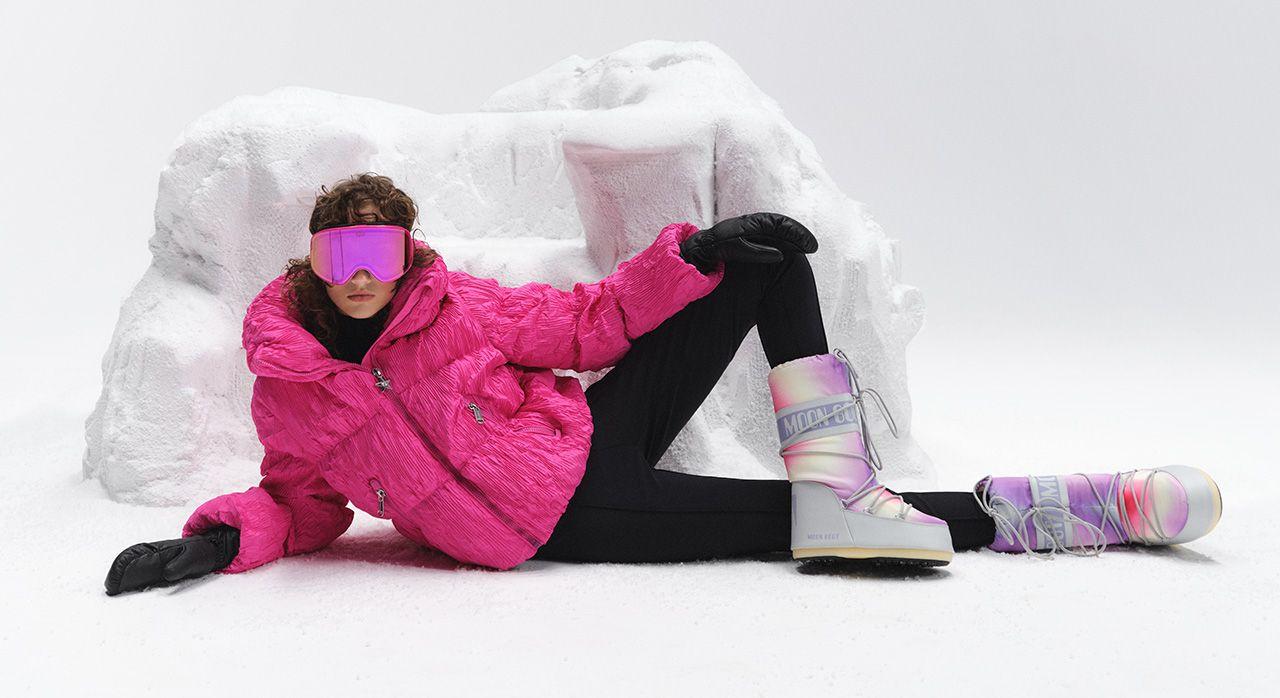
382	381
475	412
382	495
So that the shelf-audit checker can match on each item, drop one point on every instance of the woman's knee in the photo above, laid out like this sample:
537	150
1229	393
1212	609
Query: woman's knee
793	276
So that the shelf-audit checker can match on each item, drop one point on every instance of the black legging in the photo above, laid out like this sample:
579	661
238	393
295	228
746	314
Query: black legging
626	510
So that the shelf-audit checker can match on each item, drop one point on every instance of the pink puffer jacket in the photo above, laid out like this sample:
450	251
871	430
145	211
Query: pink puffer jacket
453	426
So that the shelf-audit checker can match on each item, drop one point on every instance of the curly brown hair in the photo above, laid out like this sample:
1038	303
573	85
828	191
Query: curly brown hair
339	205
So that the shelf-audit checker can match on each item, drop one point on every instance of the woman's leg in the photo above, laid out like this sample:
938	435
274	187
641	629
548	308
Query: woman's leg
625	510
970	526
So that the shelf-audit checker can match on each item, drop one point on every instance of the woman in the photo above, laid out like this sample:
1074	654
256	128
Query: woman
425	395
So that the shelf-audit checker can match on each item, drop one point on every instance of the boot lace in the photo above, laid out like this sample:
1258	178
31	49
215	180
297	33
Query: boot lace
882	495
1014	529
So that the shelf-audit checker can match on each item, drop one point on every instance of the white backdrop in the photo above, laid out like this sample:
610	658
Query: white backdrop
1081	171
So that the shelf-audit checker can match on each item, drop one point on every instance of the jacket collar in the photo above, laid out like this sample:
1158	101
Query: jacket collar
278	346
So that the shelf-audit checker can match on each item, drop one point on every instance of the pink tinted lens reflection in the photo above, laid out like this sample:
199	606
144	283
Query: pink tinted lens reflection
338	253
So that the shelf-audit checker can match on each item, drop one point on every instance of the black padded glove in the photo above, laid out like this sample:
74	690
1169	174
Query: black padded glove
756	237
163	562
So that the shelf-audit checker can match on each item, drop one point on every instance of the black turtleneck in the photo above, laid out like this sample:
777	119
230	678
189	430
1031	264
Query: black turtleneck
356	335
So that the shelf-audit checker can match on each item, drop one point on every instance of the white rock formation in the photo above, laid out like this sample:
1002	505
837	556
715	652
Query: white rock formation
557	178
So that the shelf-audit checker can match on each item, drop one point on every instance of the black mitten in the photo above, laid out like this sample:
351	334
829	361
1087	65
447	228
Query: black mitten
756	237
163	562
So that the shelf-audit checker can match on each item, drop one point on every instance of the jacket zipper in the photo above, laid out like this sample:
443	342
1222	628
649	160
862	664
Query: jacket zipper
382	494
384	385
539	429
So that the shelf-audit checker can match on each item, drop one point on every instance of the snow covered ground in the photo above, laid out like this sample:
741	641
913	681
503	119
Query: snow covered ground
372	612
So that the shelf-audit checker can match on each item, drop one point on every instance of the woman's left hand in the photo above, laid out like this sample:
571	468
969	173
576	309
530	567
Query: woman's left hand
759	238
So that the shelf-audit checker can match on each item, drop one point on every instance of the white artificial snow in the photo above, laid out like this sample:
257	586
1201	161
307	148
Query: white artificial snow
558	178
375	614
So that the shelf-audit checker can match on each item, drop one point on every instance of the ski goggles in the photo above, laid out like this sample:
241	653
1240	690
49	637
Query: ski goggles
385	250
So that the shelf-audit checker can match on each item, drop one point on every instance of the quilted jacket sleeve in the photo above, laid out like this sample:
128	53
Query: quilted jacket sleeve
591	326
293	510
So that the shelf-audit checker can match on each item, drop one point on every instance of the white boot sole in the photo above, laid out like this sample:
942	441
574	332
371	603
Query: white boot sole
822	528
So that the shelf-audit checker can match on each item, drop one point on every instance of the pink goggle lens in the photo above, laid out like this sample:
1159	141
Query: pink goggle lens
338	253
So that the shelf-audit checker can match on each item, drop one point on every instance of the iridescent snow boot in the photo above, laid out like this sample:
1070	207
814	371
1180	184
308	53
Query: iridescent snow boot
838	509
1082	514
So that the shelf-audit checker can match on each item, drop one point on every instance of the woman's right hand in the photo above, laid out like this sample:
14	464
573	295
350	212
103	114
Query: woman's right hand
163	562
